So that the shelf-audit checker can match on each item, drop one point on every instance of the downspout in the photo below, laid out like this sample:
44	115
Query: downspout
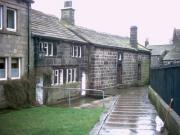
29	38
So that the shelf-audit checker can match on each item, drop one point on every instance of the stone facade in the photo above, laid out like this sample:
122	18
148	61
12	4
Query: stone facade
14	42
104	68
103	72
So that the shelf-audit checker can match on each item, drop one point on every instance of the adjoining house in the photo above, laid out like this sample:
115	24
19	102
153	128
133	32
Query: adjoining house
64	54
14	41
90	59
158	53
173	56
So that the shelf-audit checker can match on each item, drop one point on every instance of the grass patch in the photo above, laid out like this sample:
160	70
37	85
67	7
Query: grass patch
49	121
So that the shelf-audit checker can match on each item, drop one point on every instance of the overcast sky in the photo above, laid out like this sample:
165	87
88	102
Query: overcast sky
155	19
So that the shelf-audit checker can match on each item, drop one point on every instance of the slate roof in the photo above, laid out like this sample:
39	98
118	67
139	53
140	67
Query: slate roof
160	49
104	39
49	26
174	54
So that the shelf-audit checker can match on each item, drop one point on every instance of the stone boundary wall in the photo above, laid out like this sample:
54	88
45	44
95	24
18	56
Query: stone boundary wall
173	119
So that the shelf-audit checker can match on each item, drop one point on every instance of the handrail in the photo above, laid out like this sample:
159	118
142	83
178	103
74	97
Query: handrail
77	89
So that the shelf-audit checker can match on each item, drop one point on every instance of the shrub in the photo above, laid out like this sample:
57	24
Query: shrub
20	93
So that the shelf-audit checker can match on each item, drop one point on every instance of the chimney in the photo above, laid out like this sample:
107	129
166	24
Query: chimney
133	36
146	42
67	13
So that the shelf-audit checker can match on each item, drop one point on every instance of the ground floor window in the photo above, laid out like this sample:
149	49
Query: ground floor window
57	77
3	68
15	68
62	76
70	75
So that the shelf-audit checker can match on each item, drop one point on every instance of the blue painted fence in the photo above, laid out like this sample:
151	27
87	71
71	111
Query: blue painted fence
166	82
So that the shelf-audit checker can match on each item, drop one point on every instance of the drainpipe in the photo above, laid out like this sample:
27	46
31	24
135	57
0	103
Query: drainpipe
29	38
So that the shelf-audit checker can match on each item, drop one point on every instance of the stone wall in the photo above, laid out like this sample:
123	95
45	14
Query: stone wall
103	72
104	68
129	68
145	69
14	44
2	98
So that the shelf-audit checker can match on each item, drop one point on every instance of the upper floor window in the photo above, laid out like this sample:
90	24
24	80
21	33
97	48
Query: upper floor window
3	68
76	51
0	17
46	48
11	19
15	68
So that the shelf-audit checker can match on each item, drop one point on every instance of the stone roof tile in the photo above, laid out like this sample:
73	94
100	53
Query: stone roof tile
104	39
49	26
160	49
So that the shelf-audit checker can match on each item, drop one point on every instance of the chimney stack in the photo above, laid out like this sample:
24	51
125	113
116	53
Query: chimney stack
67	13
146	42
133	36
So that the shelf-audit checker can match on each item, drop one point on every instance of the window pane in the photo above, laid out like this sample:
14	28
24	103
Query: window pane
61	76
11	19
45	49
79	51
15	67
50	49
75	51
2	67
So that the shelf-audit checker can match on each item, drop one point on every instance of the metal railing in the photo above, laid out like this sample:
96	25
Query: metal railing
80	90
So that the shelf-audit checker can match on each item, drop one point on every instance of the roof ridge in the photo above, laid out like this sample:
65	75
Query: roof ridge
41	12
104	33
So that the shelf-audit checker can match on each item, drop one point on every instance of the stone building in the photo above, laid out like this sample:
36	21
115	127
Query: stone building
173	56
158	53
14	40
90	59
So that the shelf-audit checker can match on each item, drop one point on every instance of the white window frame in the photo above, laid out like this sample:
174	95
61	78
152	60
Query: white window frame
1	14
51	53
15	20
5	78
59	74
71	75
78	51
56	73
19	64
45	46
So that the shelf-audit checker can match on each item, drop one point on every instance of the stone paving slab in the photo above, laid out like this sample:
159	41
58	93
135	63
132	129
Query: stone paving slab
131	114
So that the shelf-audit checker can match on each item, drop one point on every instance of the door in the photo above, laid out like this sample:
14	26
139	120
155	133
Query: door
39	91
119	73
83	84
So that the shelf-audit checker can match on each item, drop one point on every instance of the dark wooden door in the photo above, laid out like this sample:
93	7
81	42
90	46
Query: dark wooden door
119	73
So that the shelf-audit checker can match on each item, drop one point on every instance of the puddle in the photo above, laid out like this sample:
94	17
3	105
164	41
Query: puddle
78	102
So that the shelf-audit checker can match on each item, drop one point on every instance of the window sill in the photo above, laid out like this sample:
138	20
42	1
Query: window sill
9	32
3	79
15	78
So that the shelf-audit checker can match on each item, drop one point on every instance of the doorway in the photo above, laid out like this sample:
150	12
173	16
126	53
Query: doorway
83	84
119	73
